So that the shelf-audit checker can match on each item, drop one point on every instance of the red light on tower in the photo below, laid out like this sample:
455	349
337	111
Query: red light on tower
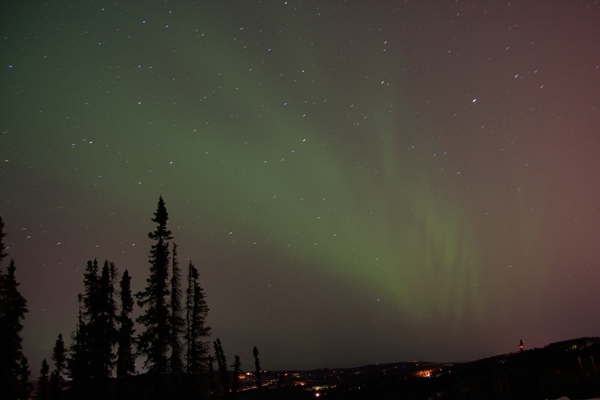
521	345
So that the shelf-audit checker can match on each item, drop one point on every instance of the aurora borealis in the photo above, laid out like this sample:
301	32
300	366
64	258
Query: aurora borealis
357	181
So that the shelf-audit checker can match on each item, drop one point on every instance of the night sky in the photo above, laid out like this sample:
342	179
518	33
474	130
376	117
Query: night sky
357	181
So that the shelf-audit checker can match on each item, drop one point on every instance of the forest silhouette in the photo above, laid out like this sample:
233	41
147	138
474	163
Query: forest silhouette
99	362
171	338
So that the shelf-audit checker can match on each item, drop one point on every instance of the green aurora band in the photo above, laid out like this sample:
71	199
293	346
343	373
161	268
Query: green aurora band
283	176
324	164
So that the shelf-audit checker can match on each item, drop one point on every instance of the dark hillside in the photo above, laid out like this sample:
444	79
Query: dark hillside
569	368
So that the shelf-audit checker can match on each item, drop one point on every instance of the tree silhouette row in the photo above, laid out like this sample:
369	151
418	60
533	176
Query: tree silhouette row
100	362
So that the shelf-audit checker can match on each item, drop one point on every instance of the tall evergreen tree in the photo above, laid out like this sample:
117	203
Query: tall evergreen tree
190	360
236	372
56	386
154	341
198	362
43	382
125	353
105	325
222	363
59	356
177	322
87	353
258	373
78	362
25	386
92	358
197	357
213	385
13	308
125	340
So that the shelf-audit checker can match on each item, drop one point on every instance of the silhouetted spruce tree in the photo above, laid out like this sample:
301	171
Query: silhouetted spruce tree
78	362
25	386
154	341
258	373
13	308
236	371
177	325
102	367
125	353
92	360
125	340
177	322
56	386
43	382
222	363
211	372
89	330
59	356
197	352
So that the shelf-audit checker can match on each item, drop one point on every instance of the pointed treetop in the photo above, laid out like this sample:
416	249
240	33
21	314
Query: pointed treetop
161	216
10	271
125	276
